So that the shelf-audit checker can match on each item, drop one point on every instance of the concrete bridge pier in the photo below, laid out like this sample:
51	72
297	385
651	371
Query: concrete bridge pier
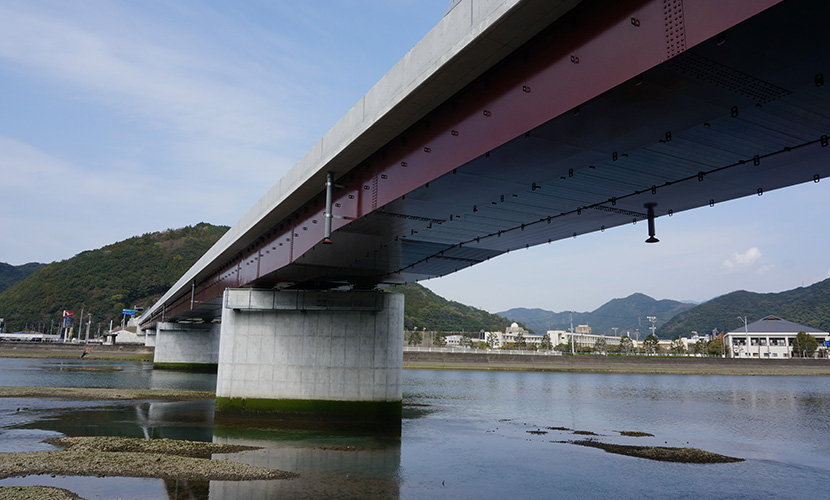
186	346
311	355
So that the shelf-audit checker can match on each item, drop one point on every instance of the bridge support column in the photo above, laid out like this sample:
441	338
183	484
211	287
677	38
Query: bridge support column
311	355
186	346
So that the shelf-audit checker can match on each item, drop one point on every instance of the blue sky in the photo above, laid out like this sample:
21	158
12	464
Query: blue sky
121	118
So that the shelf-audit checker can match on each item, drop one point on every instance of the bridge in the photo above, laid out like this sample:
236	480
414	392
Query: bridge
510	124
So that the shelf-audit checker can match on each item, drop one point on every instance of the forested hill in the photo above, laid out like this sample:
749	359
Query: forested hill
809	306
136	271
425	309
625	314
9	274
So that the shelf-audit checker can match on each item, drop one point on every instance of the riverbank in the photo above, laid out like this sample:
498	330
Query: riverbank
463	359
124	352
669	365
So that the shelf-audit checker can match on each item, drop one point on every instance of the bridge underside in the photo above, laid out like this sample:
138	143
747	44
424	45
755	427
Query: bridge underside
739	113
621	109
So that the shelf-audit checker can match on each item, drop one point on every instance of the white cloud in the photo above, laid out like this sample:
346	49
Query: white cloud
750	261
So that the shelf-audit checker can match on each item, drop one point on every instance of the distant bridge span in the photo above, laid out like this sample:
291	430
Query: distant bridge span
513	124
610	105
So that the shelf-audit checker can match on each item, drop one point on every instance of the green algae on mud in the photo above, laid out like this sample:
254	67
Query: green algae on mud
134	457
659	453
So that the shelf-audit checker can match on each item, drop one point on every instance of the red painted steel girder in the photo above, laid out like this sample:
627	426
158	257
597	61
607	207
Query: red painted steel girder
617	103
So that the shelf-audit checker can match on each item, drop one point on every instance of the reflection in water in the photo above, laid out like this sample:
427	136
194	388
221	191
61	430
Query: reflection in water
333	464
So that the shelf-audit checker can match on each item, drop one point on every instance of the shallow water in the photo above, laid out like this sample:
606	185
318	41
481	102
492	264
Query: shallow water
464	435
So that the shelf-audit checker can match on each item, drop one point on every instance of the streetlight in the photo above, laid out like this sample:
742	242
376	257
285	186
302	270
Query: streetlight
746	333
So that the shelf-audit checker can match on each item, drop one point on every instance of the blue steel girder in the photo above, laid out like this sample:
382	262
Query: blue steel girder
618	104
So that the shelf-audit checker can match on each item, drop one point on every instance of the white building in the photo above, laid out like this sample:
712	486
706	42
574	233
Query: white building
583	337
510	335
771	337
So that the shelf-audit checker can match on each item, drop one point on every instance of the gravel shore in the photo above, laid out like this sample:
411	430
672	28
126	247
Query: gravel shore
133	457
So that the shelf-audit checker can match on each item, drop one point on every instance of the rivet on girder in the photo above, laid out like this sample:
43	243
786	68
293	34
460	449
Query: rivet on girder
638	80
527	135
668	136
635	22
574	59
570	172
816	178
501	198
653	189
614	156
756	160
613	201
404	164
366	187
671	212
602	228
523	227
525	89
760	191
574	235
578	211
711	203
819	79
720	39
487	112
383	176
534	187
454	133
734	111
700	176
824	141
576	111
475	208
427	150
487	155
550	217
426	186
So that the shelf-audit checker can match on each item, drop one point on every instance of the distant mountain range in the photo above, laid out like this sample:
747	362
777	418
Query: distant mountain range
808	306
627	315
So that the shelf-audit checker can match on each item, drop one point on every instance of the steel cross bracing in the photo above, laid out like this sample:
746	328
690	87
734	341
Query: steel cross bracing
618	104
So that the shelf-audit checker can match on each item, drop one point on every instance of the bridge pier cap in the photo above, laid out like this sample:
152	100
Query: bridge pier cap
311	356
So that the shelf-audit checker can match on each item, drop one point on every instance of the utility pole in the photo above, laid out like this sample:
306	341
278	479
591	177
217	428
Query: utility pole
88	323
746	336
573	340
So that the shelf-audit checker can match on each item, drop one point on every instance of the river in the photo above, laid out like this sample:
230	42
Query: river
465	434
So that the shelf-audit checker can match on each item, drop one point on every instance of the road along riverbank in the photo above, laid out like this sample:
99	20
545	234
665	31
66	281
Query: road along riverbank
489	360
